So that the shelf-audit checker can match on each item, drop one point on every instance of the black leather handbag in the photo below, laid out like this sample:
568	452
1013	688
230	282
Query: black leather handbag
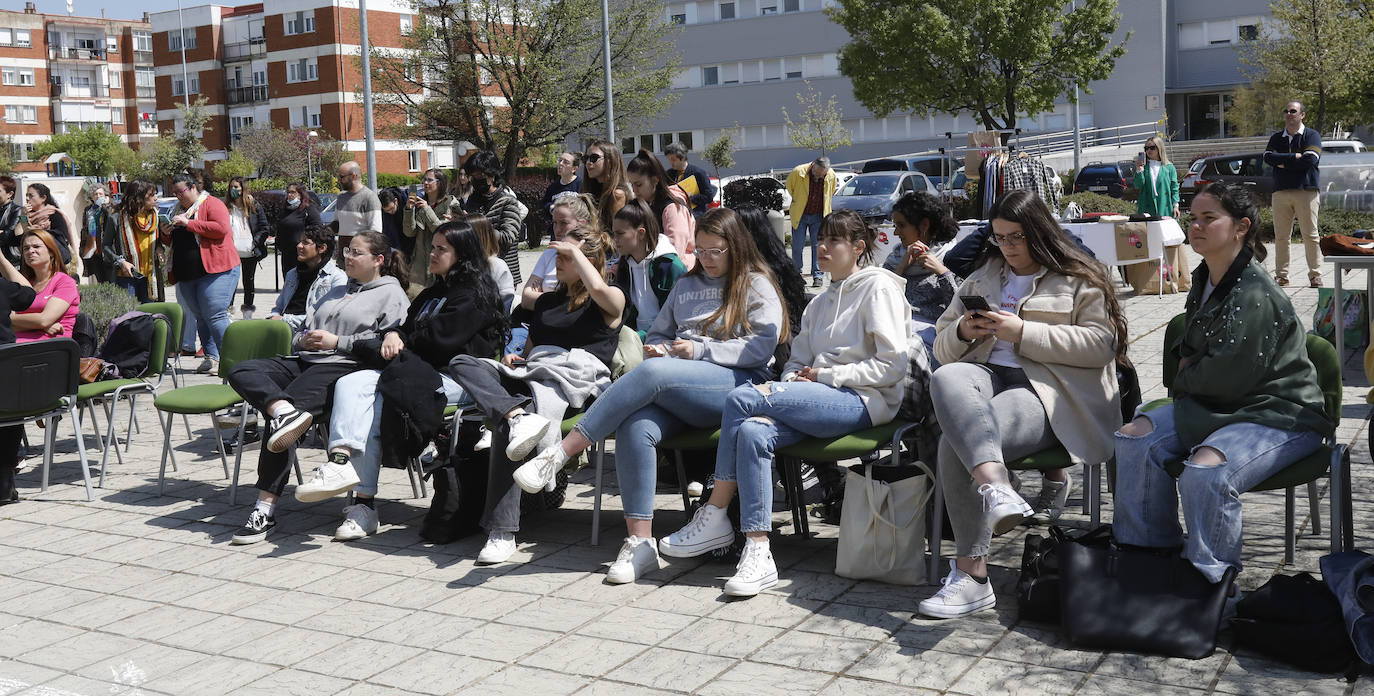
1037	589
1139	600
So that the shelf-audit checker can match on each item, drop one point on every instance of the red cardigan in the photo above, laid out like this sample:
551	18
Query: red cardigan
216	237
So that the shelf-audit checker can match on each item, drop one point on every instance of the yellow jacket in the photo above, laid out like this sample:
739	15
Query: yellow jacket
799	186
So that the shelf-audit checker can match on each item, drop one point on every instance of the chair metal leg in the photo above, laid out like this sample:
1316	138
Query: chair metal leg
1314	509
75	412
790	470
1289	529
110	440
596	497
166	452
95	422
219	441
1096	477
296	465
682	485
49	441
133	422
238	453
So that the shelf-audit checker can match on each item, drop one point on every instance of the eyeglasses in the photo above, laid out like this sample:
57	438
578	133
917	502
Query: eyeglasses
709	253
592	158
1013	239
1150	147
1290	111
178	192
350	251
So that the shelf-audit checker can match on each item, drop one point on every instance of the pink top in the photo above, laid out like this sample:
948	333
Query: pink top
681	227
62	287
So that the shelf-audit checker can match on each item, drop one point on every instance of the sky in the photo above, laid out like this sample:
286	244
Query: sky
114	9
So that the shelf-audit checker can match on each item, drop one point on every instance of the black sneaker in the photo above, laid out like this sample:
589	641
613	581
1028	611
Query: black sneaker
288	428
255	529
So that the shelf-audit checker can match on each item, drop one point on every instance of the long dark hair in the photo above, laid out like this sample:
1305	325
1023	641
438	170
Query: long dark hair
135	193
395	263
245	199
1240	204
638	214
44	192
645	164
1050	246
731	318
471	269
919	205
790	285
613	170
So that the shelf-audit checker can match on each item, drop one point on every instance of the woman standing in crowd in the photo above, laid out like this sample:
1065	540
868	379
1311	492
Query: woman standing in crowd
293	390
650	184
1156	180
1246	398
717	330
56	298
566	362
393	201
95	217
423	216
204	263
1035	369
460	314
301	213
130	239
491	247
846	373
649	265
248	221
14	292
492	198
43	214
926	227
604	178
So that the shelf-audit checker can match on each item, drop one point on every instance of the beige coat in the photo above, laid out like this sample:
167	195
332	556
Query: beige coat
1067	349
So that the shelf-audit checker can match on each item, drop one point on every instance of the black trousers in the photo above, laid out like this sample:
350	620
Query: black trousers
250	272
308	386
494	395
10	438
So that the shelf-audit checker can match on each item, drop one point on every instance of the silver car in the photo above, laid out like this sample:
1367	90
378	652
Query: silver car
873	194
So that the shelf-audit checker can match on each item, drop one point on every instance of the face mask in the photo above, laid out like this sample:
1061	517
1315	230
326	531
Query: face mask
234	193
481	187
293	202
102	201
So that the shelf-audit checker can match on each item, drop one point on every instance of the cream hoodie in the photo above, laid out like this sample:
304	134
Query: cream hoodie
855	335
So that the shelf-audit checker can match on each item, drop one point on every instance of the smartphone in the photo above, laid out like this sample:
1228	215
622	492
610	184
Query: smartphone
976	303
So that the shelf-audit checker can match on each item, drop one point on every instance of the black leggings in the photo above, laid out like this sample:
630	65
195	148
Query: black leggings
250	271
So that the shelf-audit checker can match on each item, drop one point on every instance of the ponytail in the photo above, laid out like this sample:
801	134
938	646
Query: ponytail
394	262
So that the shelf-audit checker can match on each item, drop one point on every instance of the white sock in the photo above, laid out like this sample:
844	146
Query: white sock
266	507
280	411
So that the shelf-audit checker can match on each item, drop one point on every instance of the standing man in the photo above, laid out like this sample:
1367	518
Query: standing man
690	178
811	186
1295	153
568	184
358	208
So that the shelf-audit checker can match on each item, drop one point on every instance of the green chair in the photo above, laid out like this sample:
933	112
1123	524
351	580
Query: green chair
47	370
246	339
108	393
172	311
1331	456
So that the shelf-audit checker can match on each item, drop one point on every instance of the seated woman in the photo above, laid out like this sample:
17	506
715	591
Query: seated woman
649	266
1246	398
716	331
566	362
294	389
926	227
57	301
498	270
1037	369
846	373
459	314
568	212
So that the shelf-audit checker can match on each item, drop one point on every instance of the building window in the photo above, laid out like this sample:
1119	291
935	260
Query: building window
412	118
727	10
187	37
792	68
117	116
300	22
414	160
686	139
407	24
303	70
6	37
143	41
1248	32
112	44
791	5
179	87
315	119
21	114
627	146
646	142
22	39
678	19
116	81
710	75
9	76
768	8
145	77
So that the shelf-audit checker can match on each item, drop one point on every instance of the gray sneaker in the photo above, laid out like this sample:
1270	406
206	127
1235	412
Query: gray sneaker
1053	498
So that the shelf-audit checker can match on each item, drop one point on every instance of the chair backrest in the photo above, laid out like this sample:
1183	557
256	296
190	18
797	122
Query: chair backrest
46	370
250	339
157	348
1319	351
172	311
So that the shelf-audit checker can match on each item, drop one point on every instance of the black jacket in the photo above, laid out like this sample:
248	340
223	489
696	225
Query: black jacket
412	408
705	191
9	220
13	297
449	326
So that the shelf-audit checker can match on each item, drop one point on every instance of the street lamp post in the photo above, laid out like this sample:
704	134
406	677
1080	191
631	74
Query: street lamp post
309	162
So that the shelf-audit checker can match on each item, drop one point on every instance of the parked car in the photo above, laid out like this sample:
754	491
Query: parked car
1343	146
1247	169
1187	185
930	165
1106	178
842	177
954	188
873	194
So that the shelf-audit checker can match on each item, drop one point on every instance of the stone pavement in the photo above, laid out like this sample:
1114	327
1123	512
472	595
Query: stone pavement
138	593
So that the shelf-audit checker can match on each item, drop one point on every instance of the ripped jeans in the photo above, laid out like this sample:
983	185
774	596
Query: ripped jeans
754	425
1147	496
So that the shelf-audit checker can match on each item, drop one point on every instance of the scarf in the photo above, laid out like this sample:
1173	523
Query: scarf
138	248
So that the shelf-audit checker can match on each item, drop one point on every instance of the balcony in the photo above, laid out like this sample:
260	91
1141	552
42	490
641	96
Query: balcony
79	91
66	53
147	92
244	50
143	57
252	94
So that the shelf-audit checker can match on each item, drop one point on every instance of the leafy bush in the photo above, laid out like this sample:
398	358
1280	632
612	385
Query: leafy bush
752	192
966	208
103	303
529	189
389	180
1098	203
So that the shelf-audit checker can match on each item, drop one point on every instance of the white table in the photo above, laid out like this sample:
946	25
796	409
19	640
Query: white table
1345	263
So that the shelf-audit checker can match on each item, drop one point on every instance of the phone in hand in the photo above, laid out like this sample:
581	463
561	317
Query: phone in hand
976	303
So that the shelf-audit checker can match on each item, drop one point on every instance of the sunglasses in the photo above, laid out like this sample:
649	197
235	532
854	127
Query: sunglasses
1290	111
592	158
1150	147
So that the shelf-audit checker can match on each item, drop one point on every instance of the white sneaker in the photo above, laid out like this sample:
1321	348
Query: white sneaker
1053	498
637	556
755	573
526	430
483	442
1003	508
499	547
206	366
359	522
960	595
329	480
710	529
535	474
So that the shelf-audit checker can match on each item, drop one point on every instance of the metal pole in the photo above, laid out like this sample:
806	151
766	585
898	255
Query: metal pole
1077	136
606	66
185	81
309	162
367	99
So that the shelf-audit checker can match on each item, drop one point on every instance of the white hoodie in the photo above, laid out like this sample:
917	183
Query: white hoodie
855	335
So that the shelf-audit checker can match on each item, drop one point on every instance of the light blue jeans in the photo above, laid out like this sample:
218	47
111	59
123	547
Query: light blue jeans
208	300
1147	496
807	231
356	422
754	426
188	320
659	398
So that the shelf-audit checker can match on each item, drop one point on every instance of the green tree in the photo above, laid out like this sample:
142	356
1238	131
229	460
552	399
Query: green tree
721	152
519	75
995	59
126	162
236	164
6	154
173	152
821	126
92	149
1318	52
286	154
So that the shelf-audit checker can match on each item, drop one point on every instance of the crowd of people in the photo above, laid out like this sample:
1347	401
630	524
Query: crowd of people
653	313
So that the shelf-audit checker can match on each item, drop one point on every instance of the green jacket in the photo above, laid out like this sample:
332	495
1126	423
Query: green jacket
1156	197
1243	359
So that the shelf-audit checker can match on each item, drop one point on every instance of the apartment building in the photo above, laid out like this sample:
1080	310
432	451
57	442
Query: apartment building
59	73
288	63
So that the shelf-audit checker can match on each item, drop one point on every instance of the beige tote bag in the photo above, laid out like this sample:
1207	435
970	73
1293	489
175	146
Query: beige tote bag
883	527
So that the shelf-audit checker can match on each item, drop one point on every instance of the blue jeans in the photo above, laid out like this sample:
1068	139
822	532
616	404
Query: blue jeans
1146	496
808	228
755	425
519	333
188	320
208	300
658	399
138	288
356	421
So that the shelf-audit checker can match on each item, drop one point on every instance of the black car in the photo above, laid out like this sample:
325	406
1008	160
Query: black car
1106	178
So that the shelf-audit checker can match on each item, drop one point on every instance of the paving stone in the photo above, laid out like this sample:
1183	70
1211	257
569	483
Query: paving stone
672	669
521	681
436	673
999	678
428	630
290	682
498	642
929	669
813	651
722	638
635	625
583	655
764	680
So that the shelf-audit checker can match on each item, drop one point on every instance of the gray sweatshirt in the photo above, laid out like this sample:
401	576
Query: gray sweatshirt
354	313
695	297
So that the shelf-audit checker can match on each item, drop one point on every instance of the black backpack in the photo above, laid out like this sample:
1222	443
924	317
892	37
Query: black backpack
126	345
1295	619
83	332
460	488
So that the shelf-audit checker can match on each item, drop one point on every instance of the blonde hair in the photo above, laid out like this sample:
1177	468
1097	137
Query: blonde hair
595	246
583	208
1158	142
